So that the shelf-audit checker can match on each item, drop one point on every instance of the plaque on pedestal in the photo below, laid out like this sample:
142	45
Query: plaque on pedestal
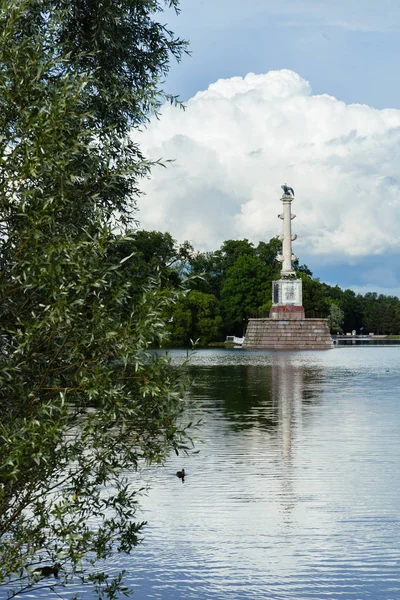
287	292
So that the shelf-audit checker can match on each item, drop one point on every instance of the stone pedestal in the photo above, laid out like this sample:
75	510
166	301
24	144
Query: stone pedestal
293	333
287	328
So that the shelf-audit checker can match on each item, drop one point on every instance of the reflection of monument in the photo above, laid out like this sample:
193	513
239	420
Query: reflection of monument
287	328
287	396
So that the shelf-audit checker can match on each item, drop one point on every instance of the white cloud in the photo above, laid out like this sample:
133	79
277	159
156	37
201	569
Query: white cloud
238	141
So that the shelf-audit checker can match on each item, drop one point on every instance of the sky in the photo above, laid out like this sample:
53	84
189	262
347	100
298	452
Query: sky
303	92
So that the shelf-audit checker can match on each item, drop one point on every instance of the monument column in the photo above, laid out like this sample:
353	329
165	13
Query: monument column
287	237
287	328
287	291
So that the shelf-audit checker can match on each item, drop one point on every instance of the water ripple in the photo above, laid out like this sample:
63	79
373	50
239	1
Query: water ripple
293	494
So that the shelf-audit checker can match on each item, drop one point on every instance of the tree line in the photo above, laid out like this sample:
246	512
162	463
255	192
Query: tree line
222	288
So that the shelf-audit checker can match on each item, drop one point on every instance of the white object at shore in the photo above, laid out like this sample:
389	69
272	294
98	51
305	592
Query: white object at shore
234	340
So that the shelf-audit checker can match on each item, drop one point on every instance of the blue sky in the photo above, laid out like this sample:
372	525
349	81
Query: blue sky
349	49
315	115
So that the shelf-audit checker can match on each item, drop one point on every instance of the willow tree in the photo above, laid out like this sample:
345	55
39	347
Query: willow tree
81	394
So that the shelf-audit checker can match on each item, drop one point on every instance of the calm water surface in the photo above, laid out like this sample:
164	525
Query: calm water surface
295	491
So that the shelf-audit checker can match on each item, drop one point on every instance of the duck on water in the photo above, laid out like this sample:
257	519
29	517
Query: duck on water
181	474
47	571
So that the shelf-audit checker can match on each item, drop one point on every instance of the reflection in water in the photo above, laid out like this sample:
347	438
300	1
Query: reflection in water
287	393
293	494
244	392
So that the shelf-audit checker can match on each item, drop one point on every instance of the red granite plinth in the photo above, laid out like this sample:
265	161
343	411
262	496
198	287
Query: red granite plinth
282	312
287	329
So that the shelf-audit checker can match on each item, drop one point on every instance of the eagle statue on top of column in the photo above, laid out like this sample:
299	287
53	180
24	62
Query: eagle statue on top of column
287	191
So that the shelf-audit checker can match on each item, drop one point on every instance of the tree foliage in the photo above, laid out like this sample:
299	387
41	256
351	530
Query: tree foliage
245	290
81	393
335	318
195	318
155	254
240	276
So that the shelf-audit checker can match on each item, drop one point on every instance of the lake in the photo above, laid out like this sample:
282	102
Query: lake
294	492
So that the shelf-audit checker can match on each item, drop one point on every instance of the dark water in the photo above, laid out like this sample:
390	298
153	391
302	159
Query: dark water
295	491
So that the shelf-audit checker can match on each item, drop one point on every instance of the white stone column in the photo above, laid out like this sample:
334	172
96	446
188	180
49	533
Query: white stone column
287	238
